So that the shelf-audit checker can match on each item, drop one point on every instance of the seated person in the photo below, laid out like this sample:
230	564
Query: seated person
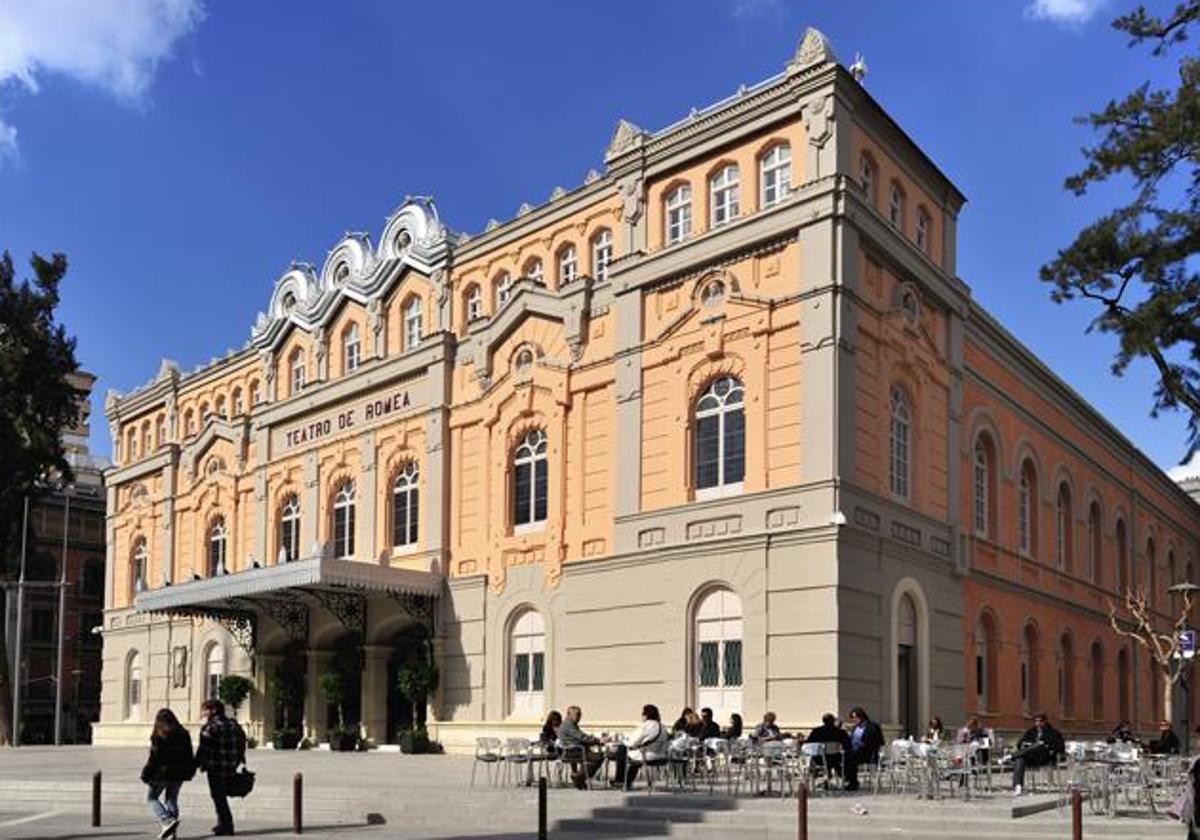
866	739
649	743
937	732
548	737
708	726
767	730
974	733
573	741
693	725
1167	742
1122	734
829	733
734	730
1041	745
680	725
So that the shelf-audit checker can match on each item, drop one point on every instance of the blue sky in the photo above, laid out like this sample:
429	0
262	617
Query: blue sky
182	154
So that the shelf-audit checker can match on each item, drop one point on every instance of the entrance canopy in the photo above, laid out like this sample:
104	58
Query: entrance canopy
286	591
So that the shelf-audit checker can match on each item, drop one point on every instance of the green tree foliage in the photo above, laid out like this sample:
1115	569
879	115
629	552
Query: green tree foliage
36	404
232	690
1139	262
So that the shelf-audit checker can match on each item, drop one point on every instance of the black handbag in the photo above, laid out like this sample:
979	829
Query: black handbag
240	783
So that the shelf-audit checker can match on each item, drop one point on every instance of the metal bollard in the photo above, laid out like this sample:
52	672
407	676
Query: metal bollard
542	808
298	803
96	799
802	811
1076	815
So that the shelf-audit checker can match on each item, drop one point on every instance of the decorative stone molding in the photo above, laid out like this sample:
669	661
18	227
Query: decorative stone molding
818	120
814	49
627	136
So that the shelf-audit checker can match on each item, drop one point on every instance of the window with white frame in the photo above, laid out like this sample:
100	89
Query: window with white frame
530	481
717	656
568	265
220	407
723	196
679	214
720	439
534	271
133	686
296	364
189	423
139	566
412	323
405	506
866	176
775	175
216	547
900	442
160	432
896	206
982	494
289	530
923	225
255	395
239	405
474	304
527	643
351	348
601	254
343	521
146	438
214	669
503	286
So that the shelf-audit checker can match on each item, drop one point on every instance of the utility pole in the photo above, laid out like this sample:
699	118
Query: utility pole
62	615
17	677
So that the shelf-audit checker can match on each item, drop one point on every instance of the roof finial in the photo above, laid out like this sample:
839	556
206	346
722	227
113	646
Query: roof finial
814	49
859	68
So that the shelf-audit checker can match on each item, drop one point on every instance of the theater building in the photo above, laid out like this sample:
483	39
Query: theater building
720	426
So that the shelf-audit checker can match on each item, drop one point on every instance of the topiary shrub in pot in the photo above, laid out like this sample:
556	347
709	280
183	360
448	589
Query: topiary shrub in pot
341	738
414	740
232	690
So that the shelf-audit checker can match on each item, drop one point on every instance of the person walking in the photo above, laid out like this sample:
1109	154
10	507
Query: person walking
222	748
170	764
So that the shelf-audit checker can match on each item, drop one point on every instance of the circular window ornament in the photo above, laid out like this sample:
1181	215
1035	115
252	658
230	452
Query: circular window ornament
341	275
403	243
289	303
523	361
713	294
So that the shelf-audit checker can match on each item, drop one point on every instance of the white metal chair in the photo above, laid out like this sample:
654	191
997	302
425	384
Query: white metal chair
518	757
488	752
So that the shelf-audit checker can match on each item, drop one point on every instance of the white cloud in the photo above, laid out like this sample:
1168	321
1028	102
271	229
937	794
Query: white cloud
1063	11
1188	469
755	8
113	45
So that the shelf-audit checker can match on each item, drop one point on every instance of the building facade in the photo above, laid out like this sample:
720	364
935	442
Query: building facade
721	426
64	528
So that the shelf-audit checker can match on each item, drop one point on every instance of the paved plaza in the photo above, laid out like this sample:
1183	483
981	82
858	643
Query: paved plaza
46	793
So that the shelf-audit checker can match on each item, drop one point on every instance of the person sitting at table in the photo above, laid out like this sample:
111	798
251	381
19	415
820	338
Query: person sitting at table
767	730
973	733
548	737
708	726
1167	742
694	725
680	725
649	743
572	738
866	739
937	732
1041	745
734	730
829	733
1122	734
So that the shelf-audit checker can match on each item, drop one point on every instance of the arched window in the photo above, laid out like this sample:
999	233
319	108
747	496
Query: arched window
204	412
139	565
723	196
775	175
1066	677
412	323
1029	669
189	423
405	506
216	547
924	226
1122	576
160	432
568	265
534	271
214	669
146	438
530	481
527	643
343	521
720	439
1097	675
907	666
718	652
900	440
679	214
351	349
133	686
866	176
131	446
1027	506
501	290
239	406
296	366
601	254
986	646
1151	574
474	303
289	530
983	473
1095	544
219	407
1123	684
255	395
896	206
1064	533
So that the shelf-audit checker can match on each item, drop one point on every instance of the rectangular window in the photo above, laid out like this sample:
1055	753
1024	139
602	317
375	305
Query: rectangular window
352	356
979	675
709	664
521	672
733	663
735	443
538	676
542	473
343	533
521	489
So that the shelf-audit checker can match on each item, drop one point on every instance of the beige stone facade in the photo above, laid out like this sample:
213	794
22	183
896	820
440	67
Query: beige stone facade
692	433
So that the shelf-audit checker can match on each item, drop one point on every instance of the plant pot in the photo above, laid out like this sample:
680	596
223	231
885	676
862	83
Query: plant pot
343	741
285	739
414	743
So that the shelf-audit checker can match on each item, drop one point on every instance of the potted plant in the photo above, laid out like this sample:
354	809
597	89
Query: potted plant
284	691
416	679
414	740
341	737
232	690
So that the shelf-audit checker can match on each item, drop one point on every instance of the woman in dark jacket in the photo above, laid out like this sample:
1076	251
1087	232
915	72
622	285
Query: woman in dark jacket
548	737
171	763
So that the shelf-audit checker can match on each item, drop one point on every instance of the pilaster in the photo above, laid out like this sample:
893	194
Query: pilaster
628	316
367	500
310	506
168	519
375	692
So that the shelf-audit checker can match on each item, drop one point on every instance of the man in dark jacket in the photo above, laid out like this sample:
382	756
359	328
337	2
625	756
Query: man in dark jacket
1041	745
866	739
1167	742
222	748
710	728
829	733
1122	734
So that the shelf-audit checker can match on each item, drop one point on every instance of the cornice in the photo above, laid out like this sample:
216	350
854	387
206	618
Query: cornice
165	457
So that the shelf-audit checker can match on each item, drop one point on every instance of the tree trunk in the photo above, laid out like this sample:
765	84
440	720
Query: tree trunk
1168	689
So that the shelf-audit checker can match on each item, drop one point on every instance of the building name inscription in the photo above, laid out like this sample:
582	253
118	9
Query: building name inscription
345	419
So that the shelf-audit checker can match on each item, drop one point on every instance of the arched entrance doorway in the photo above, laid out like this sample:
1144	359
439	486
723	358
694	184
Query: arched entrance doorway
907	675
410	646
287	691
346	662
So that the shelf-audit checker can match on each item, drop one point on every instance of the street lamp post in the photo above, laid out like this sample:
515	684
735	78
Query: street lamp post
1183	657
